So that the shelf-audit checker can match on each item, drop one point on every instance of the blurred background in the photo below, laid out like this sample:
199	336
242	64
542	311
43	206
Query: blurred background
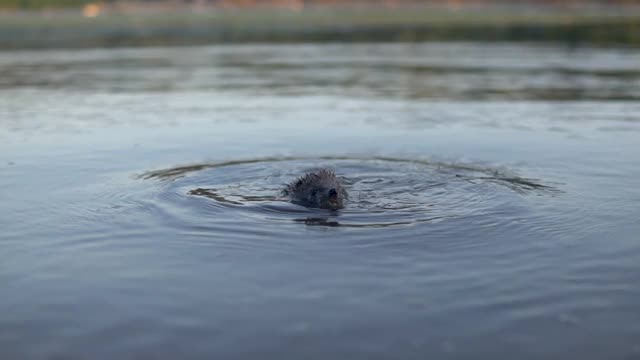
490	150
78	23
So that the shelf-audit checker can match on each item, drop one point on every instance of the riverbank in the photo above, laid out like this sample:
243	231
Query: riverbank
194	26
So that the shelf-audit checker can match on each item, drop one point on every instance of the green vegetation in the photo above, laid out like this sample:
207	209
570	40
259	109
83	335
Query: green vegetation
41	4
71	29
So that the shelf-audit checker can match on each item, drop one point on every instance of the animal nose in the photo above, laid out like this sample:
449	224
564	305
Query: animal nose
333	193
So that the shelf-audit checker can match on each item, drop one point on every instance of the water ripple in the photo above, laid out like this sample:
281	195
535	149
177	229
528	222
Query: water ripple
384	192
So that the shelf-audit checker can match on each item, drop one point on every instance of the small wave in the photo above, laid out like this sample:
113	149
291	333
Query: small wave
384	191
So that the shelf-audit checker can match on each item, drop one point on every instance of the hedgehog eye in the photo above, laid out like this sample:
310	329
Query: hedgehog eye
313	193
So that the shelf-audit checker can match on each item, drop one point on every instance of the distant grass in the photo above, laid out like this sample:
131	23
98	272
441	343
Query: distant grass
70	29
41	4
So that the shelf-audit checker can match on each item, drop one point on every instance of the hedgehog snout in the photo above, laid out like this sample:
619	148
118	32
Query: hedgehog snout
333	194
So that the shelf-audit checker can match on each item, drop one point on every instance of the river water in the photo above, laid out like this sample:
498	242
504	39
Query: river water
493	206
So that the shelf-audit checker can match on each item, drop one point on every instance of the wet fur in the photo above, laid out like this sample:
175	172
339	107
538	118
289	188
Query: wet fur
310	190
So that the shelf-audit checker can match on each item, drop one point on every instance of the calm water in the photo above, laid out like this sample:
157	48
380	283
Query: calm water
493	212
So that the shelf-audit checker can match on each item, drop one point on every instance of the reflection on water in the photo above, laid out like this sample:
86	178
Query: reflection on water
493	202
445	71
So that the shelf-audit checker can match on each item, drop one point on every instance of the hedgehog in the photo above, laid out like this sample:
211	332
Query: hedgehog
317	189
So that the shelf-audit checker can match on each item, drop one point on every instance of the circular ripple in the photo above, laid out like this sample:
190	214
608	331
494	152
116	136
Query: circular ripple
383	192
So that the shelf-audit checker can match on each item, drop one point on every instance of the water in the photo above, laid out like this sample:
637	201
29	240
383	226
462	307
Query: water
493	202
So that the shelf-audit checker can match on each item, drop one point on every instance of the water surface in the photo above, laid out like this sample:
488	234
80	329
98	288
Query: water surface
493	208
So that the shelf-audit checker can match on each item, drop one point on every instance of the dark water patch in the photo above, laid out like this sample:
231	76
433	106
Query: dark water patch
398	71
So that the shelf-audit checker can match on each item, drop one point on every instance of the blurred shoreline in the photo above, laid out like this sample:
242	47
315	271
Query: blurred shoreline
176	23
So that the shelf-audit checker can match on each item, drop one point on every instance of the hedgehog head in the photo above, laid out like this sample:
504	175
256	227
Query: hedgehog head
320	189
